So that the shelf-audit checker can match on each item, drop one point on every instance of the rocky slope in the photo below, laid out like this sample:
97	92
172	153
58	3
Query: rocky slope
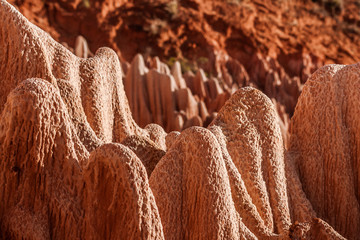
273	46
283	30
75	165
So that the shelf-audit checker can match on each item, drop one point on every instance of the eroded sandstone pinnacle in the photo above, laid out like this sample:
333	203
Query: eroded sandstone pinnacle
75	165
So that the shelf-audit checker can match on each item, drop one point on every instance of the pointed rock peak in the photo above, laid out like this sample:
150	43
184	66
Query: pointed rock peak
82	48
200	74
138	64
157	135
176	72
157	63
176	69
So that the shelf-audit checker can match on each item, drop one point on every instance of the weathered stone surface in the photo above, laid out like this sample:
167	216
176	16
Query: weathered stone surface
269	45
135	84
118	201
176	72
52	186
40	154
324	142
146	150
194	168
84	79
250	137
65	175
54	189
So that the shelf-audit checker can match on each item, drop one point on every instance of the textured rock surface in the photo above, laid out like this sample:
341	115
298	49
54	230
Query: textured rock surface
324	143
75	165
270	45
86	80
282	29
53	188
194	169
118	201
170	99
146	150
247	129
57	175
237	37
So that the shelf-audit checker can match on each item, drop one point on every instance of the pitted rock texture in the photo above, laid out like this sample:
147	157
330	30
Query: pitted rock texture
118	201
55	189
103	117
271	45
248	131
75	165
146	150
264	44
56	169
325	137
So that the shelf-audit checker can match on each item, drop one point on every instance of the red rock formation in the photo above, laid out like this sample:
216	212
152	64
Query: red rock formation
118	201
170	101
83	80
324	142
249	135
146	150
296	32
269	45
52	186
186	167
65	175
241	157
81	48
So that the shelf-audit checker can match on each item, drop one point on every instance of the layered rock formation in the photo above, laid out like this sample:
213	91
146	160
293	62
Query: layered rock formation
75	165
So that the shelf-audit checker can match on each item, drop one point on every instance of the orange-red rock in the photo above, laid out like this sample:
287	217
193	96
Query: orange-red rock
324	141
64	174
